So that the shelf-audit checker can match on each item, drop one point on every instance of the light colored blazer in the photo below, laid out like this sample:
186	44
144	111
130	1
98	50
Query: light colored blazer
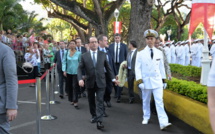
150	71
8	79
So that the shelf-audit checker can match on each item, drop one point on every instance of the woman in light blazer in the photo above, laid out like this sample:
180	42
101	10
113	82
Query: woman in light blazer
69	67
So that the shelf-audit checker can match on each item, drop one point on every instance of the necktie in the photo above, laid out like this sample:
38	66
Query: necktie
116	60
78	49
103	50
94	59
152	54
129	60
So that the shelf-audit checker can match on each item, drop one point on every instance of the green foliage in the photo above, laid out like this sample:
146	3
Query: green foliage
31	23
61	30
191	71
188	88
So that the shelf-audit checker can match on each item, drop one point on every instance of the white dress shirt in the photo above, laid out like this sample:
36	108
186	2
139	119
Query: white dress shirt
79	49
96	53
115	47
132	54
212	51
61	53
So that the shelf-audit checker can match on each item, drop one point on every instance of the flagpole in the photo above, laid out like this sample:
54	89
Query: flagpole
205	61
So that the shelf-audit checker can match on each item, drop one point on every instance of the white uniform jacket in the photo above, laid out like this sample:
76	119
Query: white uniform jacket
212	51
150	71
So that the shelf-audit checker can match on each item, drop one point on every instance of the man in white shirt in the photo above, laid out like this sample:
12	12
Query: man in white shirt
199	49
150	75
131	59
187	53
173	56
177	51
212	50
168	52
119	51
193	52
182	54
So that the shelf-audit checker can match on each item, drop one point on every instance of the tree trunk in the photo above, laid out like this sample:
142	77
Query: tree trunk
179	32
139	21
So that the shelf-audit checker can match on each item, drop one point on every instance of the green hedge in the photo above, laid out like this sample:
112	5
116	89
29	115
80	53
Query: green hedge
191	71
189	89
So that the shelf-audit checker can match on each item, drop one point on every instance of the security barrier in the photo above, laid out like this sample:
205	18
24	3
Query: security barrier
48	115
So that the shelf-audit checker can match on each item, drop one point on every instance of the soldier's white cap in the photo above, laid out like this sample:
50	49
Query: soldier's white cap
182	42
150	33
167	43
213	41
172	42
186	41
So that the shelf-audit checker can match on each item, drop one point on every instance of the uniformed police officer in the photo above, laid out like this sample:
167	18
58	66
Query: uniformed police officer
150	75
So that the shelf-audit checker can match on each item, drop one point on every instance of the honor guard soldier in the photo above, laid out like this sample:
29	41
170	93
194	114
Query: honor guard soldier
150	76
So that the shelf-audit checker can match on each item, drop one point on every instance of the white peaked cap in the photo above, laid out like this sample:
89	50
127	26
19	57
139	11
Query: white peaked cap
150	33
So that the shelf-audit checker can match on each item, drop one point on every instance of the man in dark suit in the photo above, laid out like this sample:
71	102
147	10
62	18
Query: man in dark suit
8	88
119	52
83	50
58	59
103	41
131	59
93	63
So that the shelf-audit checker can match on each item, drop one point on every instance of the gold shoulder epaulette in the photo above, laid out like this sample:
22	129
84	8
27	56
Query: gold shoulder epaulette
139	81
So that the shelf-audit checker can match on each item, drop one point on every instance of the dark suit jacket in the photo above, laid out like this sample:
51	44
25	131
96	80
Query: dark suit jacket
111	61
94	74
122	53
133	61
57	59
83	50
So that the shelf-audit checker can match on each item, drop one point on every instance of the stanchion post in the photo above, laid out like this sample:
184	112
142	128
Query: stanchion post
56	81
38	103
48	116
53	88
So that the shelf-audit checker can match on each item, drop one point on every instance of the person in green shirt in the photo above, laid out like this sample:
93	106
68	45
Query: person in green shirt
69	68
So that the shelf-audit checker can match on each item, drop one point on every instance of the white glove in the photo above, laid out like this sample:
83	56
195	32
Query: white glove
164	85
141	86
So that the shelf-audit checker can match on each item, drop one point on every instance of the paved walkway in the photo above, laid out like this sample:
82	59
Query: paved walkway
123	118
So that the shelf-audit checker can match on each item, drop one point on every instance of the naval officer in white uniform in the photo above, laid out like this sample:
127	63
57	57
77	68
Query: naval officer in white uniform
150	76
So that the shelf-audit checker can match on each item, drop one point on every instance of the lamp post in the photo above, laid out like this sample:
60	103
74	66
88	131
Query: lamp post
163	36
205	61
169	33
116	14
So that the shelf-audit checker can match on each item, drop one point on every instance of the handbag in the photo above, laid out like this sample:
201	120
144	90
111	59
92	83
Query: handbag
26	66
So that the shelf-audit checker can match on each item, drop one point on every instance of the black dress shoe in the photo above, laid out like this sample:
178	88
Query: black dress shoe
131	101
100	125
93	120
79	95
154	112
105	115
84	94
118	100
61	96
108	103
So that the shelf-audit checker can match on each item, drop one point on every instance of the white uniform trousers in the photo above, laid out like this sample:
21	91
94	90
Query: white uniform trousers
198	61
177	60
193	62
187	60
182	62
158	96
173	59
